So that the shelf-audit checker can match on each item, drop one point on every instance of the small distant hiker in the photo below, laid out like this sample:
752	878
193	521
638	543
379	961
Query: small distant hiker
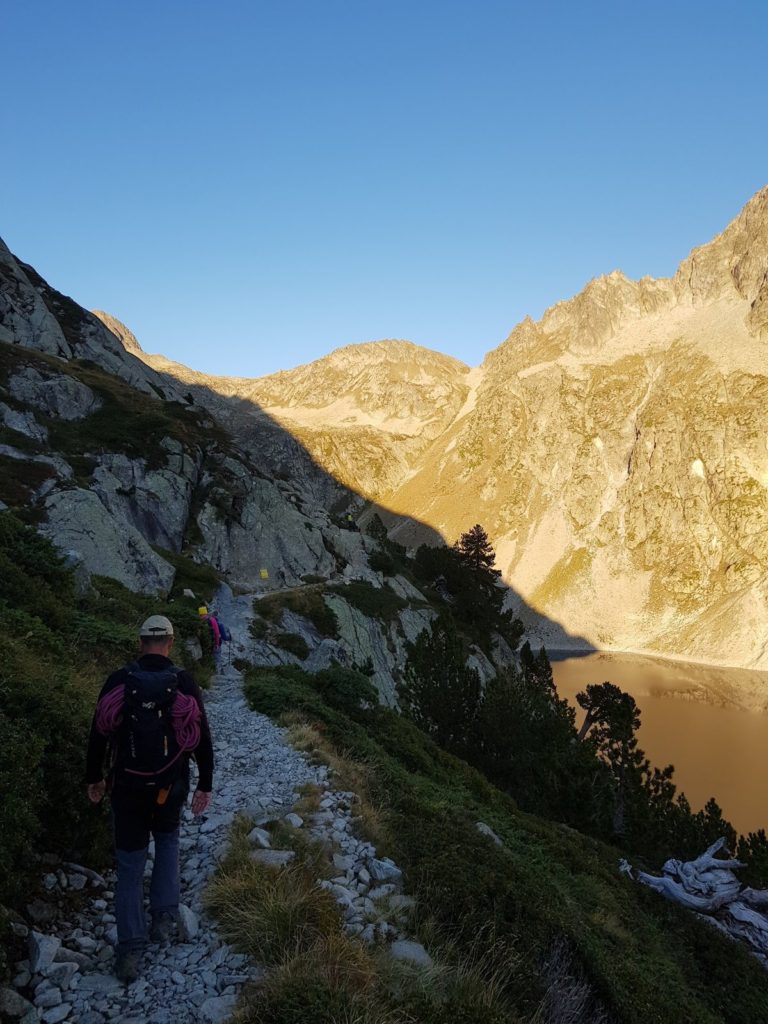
149	721
219	632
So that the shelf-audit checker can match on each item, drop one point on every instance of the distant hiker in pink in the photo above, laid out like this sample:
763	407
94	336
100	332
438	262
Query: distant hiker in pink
219	632
149	721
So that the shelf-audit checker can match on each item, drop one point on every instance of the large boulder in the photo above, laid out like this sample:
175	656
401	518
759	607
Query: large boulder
22	422
78	521
155	502
55	394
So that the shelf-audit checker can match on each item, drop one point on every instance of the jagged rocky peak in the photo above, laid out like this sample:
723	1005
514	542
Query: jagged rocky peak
394	385
118	328
737	260
733	265
582	325
615	452
364	412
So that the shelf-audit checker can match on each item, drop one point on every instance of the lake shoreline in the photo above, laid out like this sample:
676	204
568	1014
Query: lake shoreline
579	651
710	722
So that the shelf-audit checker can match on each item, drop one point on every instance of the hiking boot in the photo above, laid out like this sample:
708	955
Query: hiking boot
162	926
127	966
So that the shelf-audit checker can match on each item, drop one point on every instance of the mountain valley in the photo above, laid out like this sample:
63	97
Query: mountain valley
616	450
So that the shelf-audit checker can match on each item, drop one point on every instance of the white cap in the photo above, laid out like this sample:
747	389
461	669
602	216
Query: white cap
156	627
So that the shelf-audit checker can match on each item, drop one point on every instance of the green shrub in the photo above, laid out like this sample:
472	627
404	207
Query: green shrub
376	602
258	627
33	576
292	643
376	529
281	688
380	561
344	688
20	479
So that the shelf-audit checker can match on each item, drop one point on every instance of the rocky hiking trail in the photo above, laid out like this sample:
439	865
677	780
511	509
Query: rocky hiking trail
198	977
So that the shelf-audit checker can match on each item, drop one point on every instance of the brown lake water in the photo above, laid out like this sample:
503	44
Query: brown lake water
710	723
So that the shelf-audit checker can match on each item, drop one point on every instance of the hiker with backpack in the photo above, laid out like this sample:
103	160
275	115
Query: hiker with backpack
149	721
219	632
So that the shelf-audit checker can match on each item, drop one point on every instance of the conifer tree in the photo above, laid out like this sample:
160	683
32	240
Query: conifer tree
613	718
439	692
475	551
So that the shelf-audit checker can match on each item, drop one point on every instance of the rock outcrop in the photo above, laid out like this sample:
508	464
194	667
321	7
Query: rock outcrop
247	525
78	521
36	316
55	394
156	502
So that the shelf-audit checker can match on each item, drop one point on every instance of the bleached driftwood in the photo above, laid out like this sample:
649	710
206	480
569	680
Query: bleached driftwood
709	887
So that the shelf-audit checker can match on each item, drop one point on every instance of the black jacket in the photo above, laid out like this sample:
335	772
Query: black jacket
203	754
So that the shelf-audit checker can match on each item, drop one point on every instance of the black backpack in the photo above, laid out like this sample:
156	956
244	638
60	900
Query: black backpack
147	751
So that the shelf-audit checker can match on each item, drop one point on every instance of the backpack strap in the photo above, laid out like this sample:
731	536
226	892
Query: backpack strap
134	666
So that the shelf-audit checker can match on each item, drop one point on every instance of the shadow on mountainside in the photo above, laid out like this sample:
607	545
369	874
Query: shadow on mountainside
233	490
272	446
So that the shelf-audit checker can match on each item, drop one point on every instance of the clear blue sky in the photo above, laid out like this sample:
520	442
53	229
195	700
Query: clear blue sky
249	185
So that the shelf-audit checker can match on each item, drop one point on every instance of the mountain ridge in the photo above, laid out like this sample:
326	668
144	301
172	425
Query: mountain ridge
612	449
615	449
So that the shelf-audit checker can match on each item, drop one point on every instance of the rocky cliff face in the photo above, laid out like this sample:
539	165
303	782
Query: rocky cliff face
617	452
118	464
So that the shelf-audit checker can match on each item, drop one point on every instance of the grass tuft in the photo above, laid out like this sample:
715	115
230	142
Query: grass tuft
268	913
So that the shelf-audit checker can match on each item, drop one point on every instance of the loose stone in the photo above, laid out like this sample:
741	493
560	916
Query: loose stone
413	952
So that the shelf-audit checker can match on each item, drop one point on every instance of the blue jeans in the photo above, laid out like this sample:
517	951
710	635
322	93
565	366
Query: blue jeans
135	815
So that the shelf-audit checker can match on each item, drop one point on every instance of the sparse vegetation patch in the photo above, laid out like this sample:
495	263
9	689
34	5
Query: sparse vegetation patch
308	603
378	603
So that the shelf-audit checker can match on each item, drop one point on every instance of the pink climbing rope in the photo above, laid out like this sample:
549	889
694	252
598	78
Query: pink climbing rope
109	711
185	717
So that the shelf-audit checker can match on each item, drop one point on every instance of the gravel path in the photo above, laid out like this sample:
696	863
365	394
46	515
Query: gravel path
198	979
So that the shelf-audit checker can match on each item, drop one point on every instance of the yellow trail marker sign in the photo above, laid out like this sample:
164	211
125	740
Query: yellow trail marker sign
264	574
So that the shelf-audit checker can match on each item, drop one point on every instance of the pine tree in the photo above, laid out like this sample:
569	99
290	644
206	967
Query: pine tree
753	849
613	719
475	550
527	743
439	692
